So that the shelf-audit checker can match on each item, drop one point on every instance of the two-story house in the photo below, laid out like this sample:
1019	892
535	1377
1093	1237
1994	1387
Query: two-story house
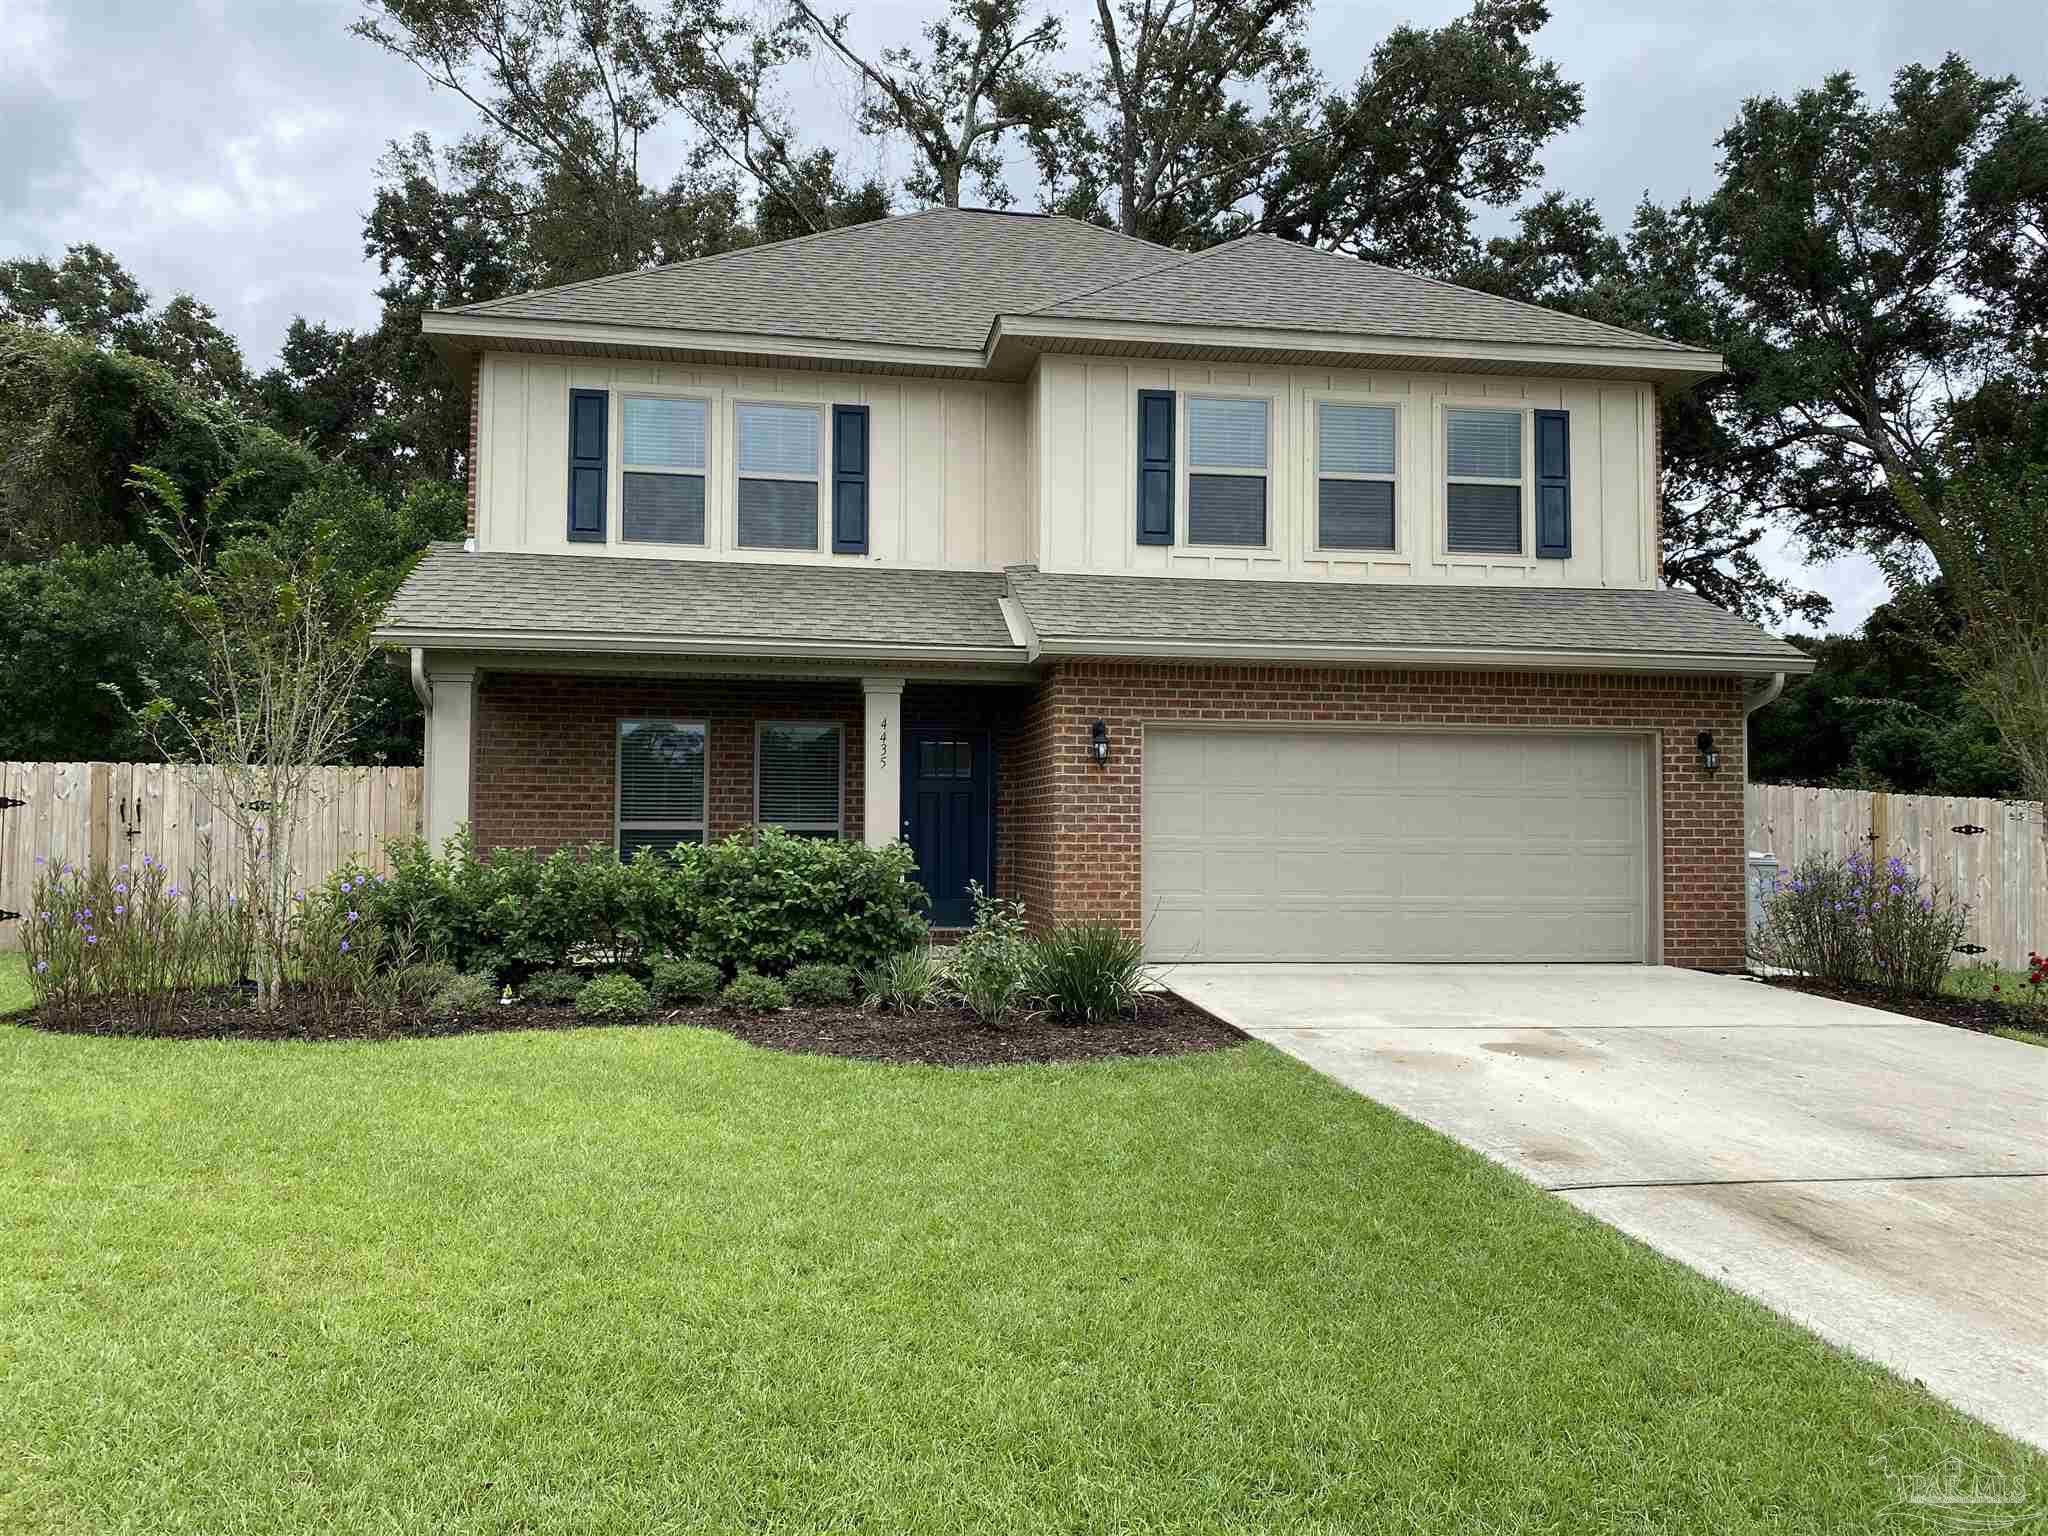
1274	604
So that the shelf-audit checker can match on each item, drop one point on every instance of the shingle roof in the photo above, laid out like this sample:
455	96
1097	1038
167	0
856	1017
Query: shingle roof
1273	284
508	597
513	600
933	279
942	277
1210	616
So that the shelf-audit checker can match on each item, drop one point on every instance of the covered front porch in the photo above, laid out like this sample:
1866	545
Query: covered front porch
557	752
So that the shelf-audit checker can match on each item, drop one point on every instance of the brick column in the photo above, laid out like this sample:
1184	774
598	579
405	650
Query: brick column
883	698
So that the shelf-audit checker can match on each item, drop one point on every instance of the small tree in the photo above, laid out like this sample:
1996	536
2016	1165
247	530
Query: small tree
284	635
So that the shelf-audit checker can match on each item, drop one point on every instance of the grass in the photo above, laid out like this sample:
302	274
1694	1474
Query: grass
1976	982
656	1280
14	992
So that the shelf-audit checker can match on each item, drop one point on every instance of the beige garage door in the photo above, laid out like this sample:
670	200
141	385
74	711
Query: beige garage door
1331	845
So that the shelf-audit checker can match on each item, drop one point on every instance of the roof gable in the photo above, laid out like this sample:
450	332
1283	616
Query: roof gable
932	279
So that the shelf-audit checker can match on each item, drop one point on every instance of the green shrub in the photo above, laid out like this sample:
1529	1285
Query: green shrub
820	985
552	989
1085	973
908	981
772	902
1855	920
680	983
419	983
987	965
464	996
755	993
614	995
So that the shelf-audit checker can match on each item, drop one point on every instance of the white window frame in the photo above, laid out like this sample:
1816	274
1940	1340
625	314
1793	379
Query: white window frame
620	394
1184	440
1315	403
1522	556
703	729
838	828
822	410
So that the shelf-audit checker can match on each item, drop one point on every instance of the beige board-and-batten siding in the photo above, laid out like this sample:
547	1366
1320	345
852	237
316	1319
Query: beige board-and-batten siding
1998	873
82	813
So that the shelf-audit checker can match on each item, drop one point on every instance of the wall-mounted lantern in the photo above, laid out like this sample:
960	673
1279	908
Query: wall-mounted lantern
1709	756
1098	743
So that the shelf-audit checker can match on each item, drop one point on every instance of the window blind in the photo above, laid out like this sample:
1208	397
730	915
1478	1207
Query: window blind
1484	445
1226	509
1354	439
1355	514
798	778
662	509
1226	434
778	439
661	784
664	434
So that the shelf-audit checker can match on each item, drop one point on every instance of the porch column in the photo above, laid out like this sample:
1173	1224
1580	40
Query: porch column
884	732
453	690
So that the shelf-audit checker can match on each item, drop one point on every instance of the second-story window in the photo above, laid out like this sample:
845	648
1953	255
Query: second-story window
662	485
1354	476
1483	482
1228	462
778	475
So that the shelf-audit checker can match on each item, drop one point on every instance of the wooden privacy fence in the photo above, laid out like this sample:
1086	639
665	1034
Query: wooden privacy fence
1997	871
86	812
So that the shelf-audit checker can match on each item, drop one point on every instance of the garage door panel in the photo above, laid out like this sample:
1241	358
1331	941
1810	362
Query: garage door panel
1327	845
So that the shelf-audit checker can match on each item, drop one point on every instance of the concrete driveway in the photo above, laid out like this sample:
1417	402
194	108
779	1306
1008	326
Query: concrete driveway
1881	1180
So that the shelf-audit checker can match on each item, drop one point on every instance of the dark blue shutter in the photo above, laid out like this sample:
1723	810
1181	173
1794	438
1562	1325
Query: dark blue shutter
849	479
588	435
1553	485
1155	466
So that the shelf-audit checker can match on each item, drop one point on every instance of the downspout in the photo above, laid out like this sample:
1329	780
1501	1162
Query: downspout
1751	702
426	695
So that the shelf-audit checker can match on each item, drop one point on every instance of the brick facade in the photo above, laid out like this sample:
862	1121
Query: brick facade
546	755
1069	833
1085	848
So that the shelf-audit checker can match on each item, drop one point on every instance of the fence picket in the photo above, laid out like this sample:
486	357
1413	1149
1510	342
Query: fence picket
2000	872
75	812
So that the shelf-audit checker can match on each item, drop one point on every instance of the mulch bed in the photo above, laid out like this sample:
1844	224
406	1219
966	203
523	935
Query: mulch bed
1980	1014
1165	1026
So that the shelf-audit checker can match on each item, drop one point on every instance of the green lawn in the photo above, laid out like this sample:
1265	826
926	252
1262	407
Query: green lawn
1977	981
14	993
653	1280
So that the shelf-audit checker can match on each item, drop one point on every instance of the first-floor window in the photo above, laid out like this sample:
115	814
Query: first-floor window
778	475
661	784
798	773
662	477
1483	482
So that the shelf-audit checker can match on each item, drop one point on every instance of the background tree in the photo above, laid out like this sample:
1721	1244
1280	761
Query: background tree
90	295
982	76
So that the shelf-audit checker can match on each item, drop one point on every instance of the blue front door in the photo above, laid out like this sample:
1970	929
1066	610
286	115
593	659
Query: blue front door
946	817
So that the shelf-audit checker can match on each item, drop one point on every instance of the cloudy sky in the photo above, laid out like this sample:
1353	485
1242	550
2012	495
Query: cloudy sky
226	147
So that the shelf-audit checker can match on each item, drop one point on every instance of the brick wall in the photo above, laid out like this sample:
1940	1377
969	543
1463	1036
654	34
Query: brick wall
546	749
1081	845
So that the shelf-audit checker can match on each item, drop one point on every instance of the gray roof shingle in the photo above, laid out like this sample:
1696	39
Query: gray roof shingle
942	277
514	596
1212	615
1267	283
932	279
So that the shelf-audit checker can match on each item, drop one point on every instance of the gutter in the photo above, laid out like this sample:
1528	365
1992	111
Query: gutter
1444	657
533	643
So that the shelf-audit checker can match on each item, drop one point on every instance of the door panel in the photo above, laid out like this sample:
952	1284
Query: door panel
946	782
1332	845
